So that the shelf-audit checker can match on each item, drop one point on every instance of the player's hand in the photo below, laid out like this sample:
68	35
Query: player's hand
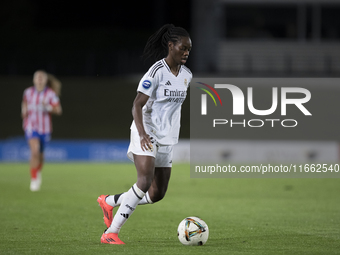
145	142
47	107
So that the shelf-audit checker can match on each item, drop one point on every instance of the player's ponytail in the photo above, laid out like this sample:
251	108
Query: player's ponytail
156	47
54	83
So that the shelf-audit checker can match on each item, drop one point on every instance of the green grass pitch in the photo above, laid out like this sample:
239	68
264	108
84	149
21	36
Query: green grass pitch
245	216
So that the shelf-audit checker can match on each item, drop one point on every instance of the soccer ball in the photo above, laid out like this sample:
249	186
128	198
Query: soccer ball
193	231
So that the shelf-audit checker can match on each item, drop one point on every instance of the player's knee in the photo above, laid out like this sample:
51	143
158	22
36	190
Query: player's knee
35	153
158	195
144	183
157	198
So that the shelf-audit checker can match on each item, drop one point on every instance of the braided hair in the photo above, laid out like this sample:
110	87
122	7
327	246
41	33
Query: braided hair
156	47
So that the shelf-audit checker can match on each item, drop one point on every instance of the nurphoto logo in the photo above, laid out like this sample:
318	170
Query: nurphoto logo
238	105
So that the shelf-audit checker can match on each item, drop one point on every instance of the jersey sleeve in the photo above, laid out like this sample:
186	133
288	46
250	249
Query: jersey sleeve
149	83
54	99
190	80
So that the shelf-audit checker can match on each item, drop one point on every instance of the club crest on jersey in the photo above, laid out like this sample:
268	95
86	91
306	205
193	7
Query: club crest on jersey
185	82
146	84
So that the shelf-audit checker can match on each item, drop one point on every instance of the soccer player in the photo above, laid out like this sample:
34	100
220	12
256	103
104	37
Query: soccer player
155	128
39	102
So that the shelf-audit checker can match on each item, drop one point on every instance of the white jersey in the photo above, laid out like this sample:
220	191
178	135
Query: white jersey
167	92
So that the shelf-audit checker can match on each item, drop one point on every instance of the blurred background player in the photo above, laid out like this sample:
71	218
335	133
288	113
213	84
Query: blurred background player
155	129
39	102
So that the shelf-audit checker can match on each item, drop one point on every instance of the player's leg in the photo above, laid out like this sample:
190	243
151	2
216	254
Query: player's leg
159	185
155	193
44	139
153	180
39	168
34	145
145	165
41	160
145	173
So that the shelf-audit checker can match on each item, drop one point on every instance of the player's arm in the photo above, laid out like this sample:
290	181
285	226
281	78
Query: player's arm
24	110
56	109
53	105
137	114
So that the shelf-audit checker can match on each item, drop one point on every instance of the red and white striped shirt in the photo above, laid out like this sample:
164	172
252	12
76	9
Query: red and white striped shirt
39	119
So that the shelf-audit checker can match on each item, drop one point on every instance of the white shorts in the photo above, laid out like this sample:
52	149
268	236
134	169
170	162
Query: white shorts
162	154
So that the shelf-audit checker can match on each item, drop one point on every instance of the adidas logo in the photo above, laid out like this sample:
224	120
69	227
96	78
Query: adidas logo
168	83
125	215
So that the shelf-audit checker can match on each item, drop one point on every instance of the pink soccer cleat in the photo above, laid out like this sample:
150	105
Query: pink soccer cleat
107	210
111	238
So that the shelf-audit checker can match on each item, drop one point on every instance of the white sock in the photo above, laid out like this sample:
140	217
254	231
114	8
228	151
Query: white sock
146	199
116	200
129	202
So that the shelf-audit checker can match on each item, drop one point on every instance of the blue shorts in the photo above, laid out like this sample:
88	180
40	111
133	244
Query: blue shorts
43	138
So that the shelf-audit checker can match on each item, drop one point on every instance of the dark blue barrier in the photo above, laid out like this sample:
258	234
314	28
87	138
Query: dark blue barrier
16	150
